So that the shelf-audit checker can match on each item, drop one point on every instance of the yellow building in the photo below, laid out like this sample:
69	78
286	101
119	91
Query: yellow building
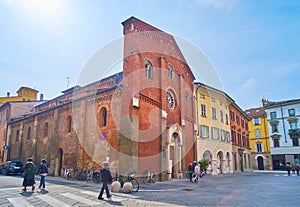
213	136
24	94
259	139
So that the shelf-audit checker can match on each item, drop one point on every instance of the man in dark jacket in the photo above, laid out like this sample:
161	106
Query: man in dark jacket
106	178
43	171
190	169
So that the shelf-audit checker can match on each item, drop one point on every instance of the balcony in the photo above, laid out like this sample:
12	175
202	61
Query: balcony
294	132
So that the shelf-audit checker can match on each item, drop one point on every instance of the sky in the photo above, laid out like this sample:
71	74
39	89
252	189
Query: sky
253	45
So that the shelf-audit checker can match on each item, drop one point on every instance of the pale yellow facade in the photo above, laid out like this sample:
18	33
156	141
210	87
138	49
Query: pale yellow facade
213	134
24	94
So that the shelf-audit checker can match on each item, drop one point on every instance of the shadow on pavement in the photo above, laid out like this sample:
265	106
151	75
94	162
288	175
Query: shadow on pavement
115	203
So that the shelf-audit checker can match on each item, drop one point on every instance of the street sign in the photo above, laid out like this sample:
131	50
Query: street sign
5	147
102	136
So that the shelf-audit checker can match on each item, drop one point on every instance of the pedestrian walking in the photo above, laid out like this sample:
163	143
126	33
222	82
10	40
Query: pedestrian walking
106	178
297	168
190	169
43	171
28	175
288	168
197	171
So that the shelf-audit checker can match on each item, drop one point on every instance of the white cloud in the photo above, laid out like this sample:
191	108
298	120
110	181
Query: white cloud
248	85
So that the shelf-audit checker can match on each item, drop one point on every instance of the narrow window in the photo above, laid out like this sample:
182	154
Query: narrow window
186	95
257	133
149	70
203	110
291	112
103	117
258	147
276	142
227	122
29	133
273	115
221	116
170	72
69	124
46	129
214	113
17	135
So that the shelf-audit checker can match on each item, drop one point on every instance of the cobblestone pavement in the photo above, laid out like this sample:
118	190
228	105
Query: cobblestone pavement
241	189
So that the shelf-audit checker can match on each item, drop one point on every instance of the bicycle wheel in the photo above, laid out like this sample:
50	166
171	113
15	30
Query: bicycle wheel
146	180
153	179
135	185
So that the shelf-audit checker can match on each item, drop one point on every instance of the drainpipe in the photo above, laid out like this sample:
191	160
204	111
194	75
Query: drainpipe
197	114
283	124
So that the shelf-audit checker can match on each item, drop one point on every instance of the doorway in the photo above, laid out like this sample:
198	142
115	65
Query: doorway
260	163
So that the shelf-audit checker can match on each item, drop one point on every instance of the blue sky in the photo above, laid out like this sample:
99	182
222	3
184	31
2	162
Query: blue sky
254	45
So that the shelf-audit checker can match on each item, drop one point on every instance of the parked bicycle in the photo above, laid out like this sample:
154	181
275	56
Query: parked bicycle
130	178
149	178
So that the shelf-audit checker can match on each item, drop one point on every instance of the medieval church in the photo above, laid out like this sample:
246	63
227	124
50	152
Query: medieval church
139	119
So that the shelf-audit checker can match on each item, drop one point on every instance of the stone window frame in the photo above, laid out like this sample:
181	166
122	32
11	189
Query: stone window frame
204	131
149	69
276	140
274	126
102	117
170	72
292	121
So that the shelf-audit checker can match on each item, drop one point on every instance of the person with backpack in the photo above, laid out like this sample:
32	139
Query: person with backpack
43	171
106	179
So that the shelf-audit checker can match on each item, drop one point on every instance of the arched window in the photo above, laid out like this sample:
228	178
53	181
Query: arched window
186	95
149	71
17	136
69	124
102	117
46	129
170	72
29	133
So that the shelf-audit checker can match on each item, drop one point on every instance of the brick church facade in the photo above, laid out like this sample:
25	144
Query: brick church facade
140	119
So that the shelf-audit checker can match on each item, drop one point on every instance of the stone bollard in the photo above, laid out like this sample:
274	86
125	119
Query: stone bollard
115	187
127	187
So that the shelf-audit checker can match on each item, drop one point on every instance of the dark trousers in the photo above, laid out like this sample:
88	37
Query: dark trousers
42	181
104	186
191	176
289	172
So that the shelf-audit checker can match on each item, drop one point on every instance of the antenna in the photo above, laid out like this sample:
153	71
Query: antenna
68	82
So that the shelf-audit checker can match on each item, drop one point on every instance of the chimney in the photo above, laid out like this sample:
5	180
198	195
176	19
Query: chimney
265	101
8	94
41	97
